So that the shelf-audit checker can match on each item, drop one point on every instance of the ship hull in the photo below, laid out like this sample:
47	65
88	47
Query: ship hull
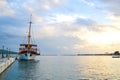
27	56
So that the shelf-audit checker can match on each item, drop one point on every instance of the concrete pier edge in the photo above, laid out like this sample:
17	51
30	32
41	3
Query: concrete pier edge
5	63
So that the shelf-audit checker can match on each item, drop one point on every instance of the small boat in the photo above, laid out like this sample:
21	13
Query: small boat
28	51
116	54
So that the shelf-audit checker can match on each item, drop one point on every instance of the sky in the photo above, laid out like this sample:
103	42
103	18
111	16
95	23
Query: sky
62	26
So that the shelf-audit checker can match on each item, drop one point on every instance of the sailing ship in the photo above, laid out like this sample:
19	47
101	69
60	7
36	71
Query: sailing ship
28	51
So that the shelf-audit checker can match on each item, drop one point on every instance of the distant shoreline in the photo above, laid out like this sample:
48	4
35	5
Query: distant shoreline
82	55
94	54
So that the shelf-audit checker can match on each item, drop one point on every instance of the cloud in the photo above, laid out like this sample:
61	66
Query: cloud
96	42
64	18
40	8
94	37
57	26
5	9
88	2
46	31
112	6
2	3
11	21
85	34
46	7
36	7
115	20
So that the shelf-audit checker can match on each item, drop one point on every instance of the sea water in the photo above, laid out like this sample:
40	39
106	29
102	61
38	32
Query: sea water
65	68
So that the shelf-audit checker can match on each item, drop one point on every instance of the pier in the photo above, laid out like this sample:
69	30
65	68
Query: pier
5	63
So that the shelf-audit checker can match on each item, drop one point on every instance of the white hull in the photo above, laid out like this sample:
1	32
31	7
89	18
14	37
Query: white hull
115	56
27	56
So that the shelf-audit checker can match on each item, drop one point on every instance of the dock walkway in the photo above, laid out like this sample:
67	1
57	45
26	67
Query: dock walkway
5	63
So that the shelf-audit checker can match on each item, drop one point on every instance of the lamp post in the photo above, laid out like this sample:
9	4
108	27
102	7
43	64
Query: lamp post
7	53
3	52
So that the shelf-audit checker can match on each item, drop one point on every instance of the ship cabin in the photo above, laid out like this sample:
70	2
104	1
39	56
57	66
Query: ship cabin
28	48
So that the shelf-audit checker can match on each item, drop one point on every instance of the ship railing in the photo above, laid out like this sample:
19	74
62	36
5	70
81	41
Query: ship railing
25	49
33	49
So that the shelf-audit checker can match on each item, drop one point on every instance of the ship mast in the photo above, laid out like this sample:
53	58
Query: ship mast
29	33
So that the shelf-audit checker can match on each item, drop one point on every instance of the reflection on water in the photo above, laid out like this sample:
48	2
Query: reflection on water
65	68
27	70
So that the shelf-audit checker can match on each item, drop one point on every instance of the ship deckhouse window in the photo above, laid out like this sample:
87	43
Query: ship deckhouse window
30	54
25	54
